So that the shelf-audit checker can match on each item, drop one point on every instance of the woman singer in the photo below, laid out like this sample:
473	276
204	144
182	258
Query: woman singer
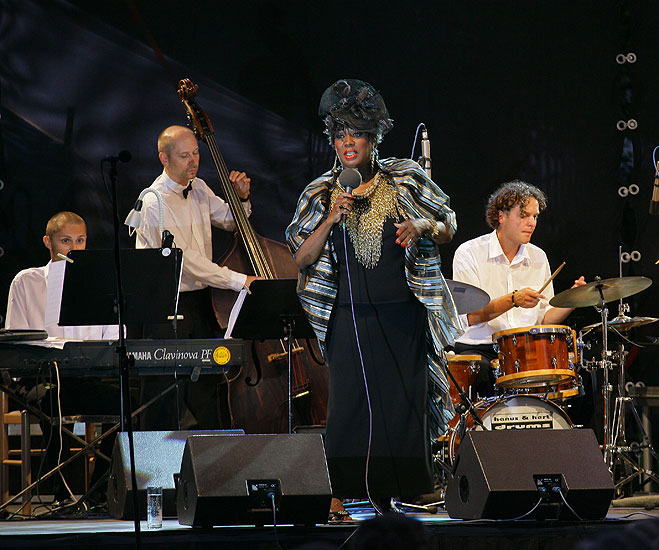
384	314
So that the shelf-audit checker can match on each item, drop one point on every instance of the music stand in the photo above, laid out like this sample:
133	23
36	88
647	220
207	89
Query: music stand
106	287
89	293
272	311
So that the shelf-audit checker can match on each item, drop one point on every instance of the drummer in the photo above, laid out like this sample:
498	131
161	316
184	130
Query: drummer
511	270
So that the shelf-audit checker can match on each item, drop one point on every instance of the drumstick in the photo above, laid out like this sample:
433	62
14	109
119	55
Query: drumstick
551	278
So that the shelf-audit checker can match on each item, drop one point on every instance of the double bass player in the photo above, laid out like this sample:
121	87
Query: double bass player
190	208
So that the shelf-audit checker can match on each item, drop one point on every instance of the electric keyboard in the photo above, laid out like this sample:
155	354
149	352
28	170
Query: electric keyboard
99	358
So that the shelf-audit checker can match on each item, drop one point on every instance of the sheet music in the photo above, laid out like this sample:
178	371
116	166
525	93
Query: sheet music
235	310
50	342
56	272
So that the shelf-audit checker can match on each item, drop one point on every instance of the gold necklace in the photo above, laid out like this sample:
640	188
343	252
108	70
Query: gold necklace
366	221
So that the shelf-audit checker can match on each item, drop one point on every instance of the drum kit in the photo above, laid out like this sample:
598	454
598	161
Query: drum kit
538	371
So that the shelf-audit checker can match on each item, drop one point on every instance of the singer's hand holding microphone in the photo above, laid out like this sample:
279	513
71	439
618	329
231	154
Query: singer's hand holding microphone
349	180
342	207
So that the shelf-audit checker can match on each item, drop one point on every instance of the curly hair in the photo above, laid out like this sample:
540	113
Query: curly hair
510	194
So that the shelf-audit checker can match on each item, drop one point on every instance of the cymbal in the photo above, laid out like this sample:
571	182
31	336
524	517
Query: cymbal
467	297
589	295
624	323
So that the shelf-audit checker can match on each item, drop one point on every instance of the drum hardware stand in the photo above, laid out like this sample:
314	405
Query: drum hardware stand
616	448
619	449
606	364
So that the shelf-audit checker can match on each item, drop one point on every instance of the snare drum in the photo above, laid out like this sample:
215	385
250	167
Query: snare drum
534	356
513	412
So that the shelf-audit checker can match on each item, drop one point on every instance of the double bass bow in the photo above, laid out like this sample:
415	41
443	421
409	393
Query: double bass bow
259	406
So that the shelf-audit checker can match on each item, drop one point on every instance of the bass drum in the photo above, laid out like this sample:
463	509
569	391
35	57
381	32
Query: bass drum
512	412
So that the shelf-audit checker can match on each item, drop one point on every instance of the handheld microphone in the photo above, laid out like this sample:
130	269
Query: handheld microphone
123	156
349	180
425	152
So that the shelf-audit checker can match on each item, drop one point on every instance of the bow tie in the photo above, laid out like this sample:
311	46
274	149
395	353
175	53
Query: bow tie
187	190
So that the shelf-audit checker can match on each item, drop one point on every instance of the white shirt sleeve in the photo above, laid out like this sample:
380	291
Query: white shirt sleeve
196	266
17	313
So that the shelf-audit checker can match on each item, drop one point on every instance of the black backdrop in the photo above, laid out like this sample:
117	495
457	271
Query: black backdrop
513	89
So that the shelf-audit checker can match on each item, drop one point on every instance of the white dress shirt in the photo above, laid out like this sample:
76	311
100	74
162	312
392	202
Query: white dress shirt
189	220
481	262
26	309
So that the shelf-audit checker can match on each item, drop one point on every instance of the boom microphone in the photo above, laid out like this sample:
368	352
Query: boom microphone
425	152
654	203
349	180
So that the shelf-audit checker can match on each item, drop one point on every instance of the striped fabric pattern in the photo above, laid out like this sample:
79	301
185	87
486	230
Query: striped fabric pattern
419	197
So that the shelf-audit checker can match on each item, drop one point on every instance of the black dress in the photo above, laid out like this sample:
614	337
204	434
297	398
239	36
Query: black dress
391	325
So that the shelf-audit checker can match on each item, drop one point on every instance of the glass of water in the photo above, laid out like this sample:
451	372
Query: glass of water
153	507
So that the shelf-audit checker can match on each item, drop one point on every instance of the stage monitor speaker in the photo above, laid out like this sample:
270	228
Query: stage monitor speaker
236	481
504	474
157	458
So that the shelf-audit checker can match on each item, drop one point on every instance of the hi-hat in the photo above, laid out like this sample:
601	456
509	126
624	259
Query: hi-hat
467	297
623	323
589	295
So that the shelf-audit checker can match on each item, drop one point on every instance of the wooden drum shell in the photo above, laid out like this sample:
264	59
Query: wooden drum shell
534	356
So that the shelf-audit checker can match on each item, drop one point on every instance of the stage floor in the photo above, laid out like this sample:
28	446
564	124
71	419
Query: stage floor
100	533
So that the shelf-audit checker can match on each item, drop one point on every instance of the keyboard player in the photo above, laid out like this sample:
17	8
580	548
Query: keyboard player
26	308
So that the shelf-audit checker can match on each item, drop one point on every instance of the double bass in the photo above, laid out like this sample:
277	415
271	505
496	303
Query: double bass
257	395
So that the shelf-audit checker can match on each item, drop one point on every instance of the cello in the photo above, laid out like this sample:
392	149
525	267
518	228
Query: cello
258	393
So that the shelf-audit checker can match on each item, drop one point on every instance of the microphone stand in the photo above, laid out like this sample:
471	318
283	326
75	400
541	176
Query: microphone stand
124	361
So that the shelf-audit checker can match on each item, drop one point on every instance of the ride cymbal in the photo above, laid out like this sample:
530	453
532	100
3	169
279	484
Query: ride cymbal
589	294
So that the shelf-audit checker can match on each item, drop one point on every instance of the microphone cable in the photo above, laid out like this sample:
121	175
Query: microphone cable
61	443
416	137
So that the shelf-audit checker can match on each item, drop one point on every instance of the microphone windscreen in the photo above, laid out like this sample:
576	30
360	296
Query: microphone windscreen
350	179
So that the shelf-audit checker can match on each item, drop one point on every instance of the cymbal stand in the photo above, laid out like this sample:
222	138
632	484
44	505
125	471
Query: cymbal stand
606	365
618	424
619	448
